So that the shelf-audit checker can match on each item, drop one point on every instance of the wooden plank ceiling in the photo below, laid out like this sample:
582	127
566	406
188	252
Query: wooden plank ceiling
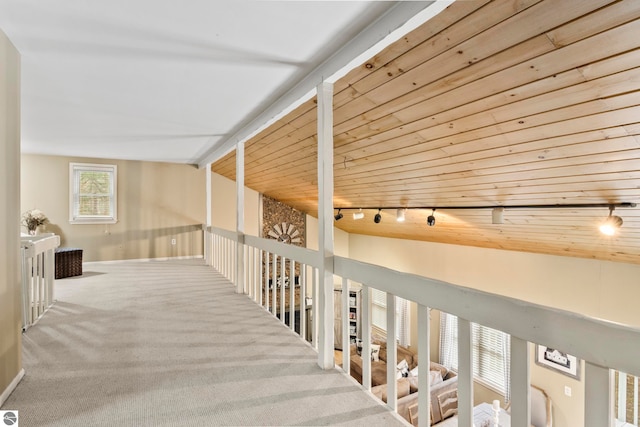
500	102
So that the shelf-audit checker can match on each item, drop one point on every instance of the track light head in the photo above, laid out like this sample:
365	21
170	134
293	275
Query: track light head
431	219
378	217
339	215
358	215
400	215
611	224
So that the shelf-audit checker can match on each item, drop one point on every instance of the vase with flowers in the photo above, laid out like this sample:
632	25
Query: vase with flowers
32	219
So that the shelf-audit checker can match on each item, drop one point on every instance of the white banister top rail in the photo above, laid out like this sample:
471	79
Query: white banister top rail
227	234
37	244
600	342
302	255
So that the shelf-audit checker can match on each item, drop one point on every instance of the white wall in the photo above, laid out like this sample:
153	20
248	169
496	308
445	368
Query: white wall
599	289
10	306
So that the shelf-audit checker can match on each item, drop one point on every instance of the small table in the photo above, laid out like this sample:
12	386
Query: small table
481	412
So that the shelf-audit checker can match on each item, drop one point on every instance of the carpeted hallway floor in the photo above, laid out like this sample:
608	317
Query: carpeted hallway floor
169	343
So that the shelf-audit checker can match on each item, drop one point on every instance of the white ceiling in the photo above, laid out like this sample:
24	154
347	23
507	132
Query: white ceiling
163	80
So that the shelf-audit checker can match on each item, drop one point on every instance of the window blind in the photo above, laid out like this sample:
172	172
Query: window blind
93	193
379	315
490	352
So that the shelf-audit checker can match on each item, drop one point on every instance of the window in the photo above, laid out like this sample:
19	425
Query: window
379	315
491	352
92	194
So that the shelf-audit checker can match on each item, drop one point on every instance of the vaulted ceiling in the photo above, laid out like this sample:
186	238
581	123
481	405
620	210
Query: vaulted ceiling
503	102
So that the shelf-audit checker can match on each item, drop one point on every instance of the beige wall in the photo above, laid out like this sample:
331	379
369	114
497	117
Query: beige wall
10	312
157	202
223	206
595	288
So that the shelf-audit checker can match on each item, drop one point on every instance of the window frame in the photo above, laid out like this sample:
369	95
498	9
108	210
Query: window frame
75	170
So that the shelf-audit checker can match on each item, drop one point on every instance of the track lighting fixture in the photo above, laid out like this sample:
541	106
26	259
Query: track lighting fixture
378	217
609	227
611	224
431	219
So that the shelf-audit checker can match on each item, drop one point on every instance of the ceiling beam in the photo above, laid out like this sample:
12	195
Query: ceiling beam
397	21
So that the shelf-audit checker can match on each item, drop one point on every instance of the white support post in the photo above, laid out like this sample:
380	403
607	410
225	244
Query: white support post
240	217
598	396
520	380
465	373
325	224
392	353
344	317
207	220
366	337
424	359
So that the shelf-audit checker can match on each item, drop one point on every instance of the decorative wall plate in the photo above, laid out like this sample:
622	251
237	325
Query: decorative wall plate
286	233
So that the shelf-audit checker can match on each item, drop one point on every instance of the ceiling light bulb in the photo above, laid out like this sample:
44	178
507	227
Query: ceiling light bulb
611	225
378	217
358	215
400	215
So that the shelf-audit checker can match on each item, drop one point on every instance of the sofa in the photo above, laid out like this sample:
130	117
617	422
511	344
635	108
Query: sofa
444	384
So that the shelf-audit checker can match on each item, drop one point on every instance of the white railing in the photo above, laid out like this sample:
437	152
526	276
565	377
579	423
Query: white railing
602	345
279	277
38	273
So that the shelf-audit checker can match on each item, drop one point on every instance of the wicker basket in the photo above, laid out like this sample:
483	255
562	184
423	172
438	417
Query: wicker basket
68	262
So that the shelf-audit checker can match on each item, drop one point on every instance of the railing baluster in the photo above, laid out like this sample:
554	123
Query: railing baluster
292	294
424	351
465	373
635	400
283	263
366	337
622	396
266	280
392	353
274	285
344	316
520	380
315	308
598	398
303	301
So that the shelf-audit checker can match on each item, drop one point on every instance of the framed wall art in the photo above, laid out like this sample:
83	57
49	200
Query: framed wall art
557	360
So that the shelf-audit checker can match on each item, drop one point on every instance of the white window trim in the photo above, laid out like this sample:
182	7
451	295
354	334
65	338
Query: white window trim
73	182
379	304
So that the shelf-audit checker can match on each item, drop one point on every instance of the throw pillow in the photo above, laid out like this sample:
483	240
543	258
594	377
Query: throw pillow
375	352
435	377
402	369
359	347
414	372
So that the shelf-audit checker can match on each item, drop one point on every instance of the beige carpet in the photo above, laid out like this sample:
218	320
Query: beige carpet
170	344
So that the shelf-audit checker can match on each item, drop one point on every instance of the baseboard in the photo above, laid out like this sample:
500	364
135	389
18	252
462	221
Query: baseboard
120	261
12	386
